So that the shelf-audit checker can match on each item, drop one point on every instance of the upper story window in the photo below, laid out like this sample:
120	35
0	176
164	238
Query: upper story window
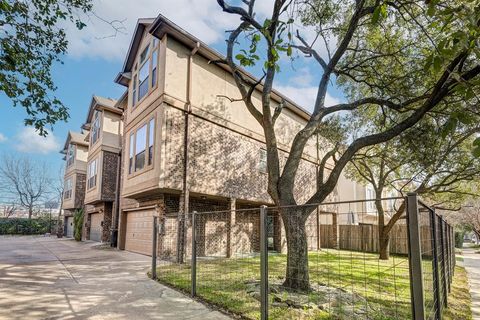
145	72
262	161
96	127
92	174
70	155
67	193
141	147
370	195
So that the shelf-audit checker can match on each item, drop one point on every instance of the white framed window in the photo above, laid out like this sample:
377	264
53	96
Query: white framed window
131	152
262	161
370	194
141	147
70	155
95	127
67	193
92	174
145	72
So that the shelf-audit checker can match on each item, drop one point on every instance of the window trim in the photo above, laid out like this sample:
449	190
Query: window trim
69	191
100	123
89	187
133	133
71	147
154	47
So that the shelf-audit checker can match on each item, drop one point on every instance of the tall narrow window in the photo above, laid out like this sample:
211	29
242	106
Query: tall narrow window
154	67
130	159
96	127
92	174
70	155
151	135
67	194
143	74
262	162
140	146
134	92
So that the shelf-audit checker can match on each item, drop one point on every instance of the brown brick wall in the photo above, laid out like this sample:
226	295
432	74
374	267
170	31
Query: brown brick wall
109	176
80	185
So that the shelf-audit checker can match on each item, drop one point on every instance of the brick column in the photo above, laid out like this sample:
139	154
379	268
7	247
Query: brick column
232	229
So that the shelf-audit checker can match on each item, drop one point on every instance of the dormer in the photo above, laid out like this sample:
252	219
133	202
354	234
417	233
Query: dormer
75	150
104	122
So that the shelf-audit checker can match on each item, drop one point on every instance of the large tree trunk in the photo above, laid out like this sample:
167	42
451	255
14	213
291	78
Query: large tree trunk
384	243
297	276
30	212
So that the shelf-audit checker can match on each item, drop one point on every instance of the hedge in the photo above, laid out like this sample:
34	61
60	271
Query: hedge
26	226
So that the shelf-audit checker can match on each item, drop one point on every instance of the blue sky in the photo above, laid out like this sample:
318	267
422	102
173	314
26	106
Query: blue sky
95	57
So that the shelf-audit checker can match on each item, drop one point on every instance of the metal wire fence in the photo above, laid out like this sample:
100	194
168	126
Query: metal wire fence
340	260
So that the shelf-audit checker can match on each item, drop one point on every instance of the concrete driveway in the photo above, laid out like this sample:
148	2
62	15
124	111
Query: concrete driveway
49	278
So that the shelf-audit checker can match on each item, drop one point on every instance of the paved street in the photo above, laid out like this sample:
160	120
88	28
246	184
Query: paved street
471	262
48	278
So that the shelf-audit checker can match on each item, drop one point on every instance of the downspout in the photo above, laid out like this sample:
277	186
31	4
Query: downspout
186	142
114	233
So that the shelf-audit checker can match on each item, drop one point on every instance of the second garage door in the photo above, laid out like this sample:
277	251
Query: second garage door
96	226
138	234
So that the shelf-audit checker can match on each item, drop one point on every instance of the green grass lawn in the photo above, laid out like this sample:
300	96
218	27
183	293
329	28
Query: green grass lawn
382	285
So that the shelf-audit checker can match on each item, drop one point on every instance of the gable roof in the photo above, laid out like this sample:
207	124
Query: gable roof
142	24
100	103
162	26
74	138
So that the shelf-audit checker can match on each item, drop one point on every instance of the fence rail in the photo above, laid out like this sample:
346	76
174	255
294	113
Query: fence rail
238	259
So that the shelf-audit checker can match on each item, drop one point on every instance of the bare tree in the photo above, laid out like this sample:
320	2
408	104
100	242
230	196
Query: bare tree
25	180
386	57
9	210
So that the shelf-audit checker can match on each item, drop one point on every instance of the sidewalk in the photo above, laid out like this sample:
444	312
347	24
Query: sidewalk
471	262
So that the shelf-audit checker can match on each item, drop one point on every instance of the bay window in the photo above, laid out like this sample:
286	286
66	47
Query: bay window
141	147
96	127
70	155
67	194
145	72
92	174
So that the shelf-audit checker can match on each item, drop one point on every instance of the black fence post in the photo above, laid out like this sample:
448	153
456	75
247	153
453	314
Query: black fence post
444	264
194	254
436	280
263	264
447	253
154	248
415	259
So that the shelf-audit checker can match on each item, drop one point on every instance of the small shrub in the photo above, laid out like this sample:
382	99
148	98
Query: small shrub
77	224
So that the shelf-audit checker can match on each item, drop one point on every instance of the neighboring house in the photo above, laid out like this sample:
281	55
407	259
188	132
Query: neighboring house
104	124
76	154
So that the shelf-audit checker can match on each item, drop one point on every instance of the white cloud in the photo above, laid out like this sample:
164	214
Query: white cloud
2	138
28	141
202	18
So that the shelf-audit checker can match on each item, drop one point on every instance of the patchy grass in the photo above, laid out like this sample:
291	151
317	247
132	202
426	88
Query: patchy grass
383	285
459	300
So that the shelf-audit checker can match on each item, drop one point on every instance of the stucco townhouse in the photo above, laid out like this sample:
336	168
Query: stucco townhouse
175	143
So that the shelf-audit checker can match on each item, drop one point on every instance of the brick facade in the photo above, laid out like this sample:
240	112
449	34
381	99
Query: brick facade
80	185
109	176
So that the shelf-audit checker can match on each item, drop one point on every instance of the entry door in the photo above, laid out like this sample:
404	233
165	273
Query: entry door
69	227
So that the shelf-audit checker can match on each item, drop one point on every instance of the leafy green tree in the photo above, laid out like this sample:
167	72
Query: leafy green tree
438	166
396	59
32	39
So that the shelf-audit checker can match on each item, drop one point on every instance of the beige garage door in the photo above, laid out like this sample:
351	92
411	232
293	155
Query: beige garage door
96	226
138	235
